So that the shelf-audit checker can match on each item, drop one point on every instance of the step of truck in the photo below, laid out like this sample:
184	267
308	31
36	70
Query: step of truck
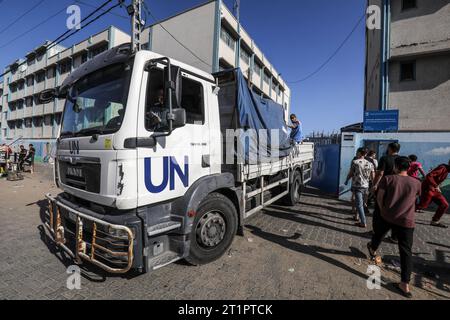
165	259
162	228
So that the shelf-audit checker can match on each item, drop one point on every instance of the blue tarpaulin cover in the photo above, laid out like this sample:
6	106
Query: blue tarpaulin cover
261	115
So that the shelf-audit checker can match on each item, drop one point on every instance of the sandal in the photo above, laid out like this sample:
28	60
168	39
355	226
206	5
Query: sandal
361	225
438	224
403	293
372	253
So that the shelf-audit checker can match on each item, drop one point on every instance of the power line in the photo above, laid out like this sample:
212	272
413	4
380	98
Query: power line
23	15
84	26
92	6
67	36
168	32
84	19
33	28
333	54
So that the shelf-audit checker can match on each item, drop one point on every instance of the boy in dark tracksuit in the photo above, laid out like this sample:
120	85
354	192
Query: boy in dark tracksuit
432	193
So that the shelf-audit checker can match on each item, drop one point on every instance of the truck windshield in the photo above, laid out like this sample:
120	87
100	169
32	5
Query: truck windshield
96	103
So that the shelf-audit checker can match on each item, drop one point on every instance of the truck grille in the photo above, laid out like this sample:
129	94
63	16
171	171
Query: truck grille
81	175
83	237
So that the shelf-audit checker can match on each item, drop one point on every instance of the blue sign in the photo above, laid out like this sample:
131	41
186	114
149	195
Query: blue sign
381	120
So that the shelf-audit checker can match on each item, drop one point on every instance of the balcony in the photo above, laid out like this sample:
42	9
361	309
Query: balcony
62	77
37	132
80	47
39	86
27	133
28	112
48	107
227	54
38	110
12	115
60	105
47	131
100	37
50	83
41	64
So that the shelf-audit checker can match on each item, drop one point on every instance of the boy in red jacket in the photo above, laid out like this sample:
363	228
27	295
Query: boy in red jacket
432	193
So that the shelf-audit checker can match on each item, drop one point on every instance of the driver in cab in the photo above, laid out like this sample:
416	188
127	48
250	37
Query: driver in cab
156	115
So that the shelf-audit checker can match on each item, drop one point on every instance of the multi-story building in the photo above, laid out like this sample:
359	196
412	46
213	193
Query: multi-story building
408	69
408	63
23	117
212	39
1	104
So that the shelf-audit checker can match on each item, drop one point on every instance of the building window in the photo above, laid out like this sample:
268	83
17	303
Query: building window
408	4
30	81
40	77
84	57
98	50
51	73
266	78
28	123
227	38
408	71
257	68
245	56
65	66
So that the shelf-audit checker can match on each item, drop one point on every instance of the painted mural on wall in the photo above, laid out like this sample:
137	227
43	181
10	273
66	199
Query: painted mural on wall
44	149
431	154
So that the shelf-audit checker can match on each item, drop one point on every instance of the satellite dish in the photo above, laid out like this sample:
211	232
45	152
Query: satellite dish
23	67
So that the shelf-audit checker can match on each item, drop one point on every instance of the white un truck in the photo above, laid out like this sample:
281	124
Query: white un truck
143	159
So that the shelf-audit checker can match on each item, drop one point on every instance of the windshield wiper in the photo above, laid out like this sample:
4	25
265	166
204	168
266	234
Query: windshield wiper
66	134
92	131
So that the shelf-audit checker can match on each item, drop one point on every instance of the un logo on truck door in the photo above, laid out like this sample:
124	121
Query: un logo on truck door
170	171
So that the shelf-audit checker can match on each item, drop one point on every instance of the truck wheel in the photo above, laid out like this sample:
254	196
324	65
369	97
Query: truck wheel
295	190
213	231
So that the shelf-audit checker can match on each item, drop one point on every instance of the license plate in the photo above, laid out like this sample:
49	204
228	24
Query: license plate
75	172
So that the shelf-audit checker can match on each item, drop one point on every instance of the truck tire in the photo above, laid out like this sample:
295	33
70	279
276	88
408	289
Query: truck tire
295	190
213	231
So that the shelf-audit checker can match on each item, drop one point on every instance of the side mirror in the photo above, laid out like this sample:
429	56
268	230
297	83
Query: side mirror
174	81
47	96
178	118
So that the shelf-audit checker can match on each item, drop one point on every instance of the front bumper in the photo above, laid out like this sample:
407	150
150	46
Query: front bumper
86	238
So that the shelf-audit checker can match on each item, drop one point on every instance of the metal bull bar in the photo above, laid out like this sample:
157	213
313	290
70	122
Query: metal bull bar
56	229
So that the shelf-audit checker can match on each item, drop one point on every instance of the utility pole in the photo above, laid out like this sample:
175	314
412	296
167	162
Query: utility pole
137	24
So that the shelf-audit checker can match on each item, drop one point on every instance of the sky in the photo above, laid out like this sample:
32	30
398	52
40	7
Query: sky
297	36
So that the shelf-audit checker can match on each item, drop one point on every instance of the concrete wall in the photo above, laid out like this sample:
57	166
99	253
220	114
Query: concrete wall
424	103
195	28
373	65
423	29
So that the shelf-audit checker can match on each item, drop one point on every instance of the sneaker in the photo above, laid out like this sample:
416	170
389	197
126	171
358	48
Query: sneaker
438	224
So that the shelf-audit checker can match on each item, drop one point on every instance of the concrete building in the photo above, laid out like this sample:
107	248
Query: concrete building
209	30
408	63
407	68
219	42
22	117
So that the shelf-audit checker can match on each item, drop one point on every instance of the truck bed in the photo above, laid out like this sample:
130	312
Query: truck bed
301	154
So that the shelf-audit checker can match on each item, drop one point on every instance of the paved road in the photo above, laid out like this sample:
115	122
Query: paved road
309	252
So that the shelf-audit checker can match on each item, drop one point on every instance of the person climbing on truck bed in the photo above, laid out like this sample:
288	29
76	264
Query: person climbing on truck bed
296	129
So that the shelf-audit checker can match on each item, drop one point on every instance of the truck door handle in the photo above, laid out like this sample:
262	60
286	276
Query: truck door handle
206	161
